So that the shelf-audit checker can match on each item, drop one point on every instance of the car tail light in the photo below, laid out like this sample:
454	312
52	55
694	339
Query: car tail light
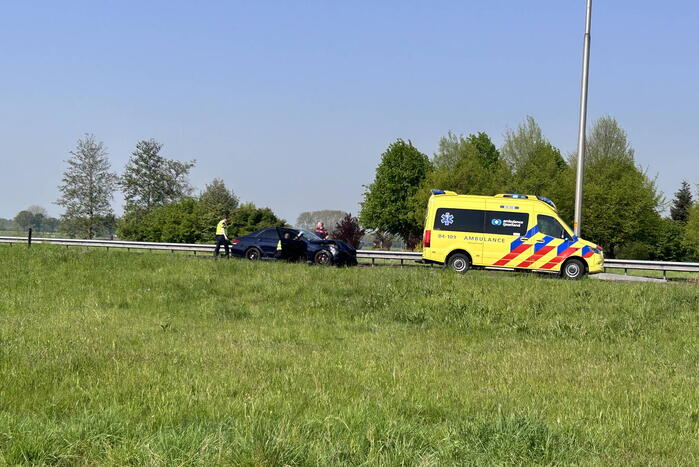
235	241
426	239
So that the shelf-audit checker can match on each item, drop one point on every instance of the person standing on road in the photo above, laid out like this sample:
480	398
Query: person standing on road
222	237
321	231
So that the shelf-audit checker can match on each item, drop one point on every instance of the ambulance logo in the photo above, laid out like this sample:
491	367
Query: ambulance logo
497	222
447	218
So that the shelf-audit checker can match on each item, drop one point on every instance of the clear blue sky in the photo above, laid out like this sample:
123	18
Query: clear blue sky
292	103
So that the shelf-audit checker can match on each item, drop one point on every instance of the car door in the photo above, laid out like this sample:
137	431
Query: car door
508	235
292	247
267	241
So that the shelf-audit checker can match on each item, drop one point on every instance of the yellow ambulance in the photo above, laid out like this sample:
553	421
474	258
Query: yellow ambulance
508	231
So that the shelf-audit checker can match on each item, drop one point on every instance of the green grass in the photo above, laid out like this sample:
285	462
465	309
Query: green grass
113	358
20	233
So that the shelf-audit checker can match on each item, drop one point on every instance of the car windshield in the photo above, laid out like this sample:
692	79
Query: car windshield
310	236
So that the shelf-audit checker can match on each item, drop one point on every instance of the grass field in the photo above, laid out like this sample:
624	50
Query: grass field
114	358
19	233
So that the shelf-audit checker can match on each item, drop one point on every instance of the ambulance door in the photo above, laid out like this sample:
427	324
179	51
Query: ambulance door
508	234
458	229
554	244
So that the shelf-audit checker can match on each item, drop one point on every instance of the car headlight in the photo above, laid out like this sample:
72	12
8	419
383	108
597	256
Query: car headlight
334	249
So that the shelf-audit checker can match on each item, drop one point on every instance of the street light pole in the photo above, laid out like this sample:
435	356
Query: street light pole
583	119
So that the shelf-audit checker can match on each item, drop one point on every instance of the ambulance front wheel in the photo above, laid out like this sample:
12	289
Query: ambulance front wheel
573	269
459	262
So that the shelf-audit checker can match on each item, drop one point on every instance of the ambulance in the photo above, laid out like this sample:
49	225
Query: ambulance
507	231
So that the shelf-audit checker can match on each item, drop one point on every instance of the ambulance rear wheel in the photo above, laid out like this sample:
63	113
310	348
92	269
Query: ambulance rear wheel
573	269
459	262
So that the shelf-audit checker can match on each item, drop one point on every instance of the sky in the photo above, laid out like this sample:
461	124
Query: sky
292	103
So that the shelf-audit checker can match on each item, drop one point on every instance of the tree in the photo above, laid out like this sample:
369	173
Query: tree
621	203
669	244
348	230
679	211
248	218
152	180
388	203
38	221
51	224
691	231
217	199
87	189
470	165
35	217
308	219
34	209
382	240
538	167
24	219
215	202
7	224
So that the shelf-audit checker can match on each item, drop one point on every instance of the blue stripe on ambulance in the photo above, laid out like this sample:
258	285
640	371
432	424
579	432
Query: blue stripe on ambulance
545	241
518	241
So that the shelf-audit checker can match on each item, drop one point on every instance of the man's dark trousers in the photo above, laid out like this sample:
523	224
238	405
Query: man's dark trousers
221	240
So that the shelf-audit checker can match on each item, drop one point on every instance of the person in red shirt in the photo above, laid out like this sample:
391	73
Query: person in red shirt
320	231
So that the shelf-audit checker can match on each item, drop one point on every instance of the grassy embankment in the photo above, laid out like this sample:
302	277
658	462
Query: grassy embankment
114	358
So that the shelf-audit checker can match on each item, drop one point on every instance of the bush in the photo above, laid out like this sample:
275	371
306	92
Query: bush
670	244
178	222
348	230
189	221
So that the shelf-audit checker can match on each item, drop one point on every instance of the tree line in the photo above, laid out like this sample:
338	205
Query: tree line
34	217
621	204
160	203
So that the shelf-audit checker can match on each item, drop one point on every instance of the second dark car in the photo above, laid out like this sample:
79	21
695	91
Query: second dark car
297	245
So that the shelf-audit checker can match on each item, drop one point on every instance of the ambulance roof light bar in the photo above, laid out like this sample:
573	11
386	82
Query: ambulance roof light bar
513	196
442	192
547	201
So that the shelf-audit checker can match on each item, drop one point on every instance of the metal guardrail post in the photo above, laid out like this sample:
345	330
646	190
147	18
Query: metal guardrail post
29	238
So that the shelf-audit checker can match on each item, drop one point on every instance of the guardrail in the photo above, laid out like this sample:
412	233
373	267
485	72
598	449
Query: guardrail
643	265
373	255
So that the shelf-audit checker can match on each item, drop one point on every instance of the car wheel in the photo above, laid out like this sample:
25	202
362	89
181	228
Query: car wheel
253	254
459	263
573	269
324	258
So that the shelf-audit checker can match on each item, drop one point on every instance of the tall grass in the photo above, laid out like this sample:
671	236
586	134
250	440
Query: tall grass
122	358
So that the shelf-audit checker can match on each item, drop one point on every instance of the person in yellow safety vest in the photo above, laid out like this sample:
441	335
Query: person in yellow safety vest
280	253
222	237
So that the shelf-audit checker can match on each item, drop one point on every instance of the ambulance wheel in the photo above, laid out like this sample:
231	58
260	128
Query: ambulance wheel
573	269
459	262
324	258
252	254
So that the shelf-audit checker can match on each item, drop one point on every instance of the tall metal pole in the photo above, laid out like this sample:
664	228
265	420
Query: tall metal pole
583	120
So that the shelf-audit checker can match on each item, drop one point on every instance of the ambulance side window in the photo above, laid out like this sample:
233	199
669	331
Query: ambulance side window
459	220
551	227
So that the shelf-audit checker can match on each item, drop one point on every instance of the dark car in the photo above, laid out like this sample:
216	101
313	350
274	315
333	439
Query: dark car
297	245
